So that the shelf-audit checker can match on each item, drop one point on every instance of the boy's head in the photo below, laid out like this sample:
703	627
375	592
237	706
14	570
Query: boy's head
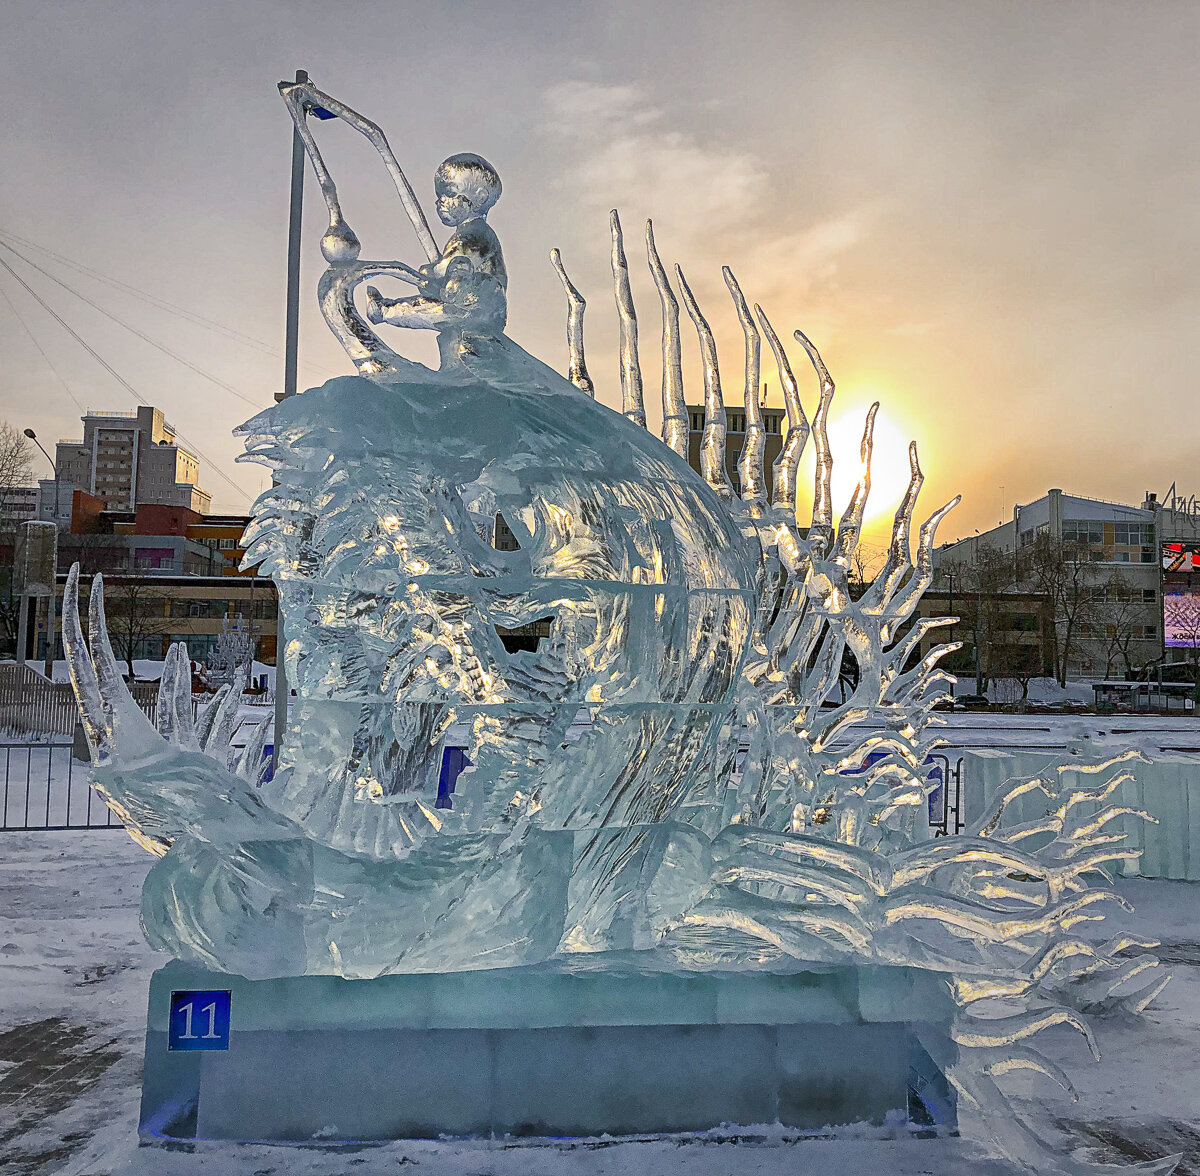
466	186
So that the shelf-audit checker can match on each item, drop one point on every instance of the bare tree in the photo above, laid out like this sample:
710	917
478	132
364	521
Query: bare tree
16	463
981	585
1012	657
1067	574
865	563
1118	620
94	552
137	610
16	470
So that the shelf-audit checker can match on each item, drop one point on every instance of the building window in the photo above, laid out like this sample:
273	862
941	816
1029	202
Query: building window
203	609
503	538
1133	534
697	422
1083	531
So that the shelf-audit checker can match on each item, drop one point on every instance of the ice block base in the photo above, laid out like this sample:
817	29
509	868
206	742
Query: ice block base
547	1051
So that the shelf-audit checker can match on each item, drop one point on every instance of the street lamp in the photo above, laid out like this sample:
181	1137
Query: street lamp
33	437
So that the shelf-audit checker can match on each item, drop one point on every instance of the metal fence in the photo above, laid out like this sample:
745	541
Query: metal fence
946	813
30	705
45	788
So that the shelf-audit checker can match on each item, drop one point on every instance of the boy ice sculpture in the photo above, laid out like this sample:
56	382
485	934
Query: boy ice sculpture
466	287
461	289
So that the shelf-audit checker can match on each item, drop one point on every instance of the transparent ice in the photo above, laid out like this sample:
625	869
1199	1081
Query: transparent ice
606	809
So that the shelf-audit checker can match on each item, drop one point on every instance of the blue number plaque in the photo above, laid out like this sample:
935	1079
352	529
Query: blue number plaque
199	1020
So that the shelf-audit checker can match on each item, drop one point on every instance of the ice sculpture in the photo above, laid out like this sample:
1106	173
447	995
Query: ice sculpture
606	809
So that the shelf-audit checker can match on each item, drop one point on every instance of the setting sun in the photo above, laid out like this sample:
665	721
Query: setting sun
889	459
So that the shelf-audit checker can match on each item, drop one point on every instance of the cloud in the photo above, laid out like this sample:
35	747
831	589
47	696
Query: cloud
574	107
711	202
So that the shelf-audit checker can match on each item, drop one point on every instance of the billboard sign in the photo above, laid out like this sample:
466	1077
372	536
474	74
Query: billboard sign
1181	557
1181	617
1181	594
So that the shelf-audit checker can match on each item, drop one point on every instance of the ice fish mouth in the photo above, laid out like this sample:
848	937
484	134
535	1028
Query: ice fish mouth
527	637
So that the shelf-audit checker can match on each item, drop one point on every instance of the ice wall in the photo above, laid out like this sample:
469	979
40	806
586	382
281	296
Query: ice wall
1165	785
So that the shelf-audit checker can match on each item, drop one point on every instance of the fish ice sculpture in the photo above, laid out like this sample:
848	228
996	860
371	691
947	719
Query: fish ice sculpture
675	769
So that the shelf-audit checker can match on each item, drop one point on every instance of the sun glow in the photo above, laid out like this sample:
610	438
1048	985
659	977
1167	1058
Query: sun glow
889	459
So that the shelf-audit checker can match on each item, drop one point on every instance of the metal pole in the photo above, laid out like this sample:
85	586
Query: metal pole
290	363
979	642
23	628
51	602
950	578
51	641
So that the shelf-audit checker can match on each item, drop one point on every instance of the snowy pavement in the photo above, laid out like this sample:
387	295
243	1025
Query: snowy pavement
74	972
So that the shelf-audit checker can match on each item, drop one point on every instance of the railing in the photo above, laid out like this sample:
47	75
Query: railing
46	789
31	705
946	813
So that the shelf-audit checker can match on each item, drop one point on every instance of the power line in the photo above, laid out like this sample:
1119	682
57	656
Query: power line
161	303
134	330
33	339
112	371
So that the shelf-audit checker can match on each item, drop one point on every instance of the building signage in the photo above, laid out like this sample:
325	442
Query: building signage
1187	505
1181	595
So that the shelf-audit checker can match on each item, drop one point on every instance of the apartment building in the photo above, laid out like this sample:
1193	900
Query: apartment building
124	459
18	504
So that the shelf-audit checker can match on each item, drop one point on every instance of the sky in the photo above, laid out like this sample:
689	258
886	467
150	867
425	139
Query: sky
985	215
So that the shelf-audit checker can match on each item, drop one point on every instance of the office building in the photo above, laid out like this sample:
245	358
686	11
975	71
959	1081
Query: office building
1146	557
773	424
181	569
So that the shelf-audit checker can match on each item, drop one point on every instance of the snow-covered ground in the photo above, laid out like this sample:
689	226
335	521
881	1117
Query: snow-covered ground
72	958
1042	691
